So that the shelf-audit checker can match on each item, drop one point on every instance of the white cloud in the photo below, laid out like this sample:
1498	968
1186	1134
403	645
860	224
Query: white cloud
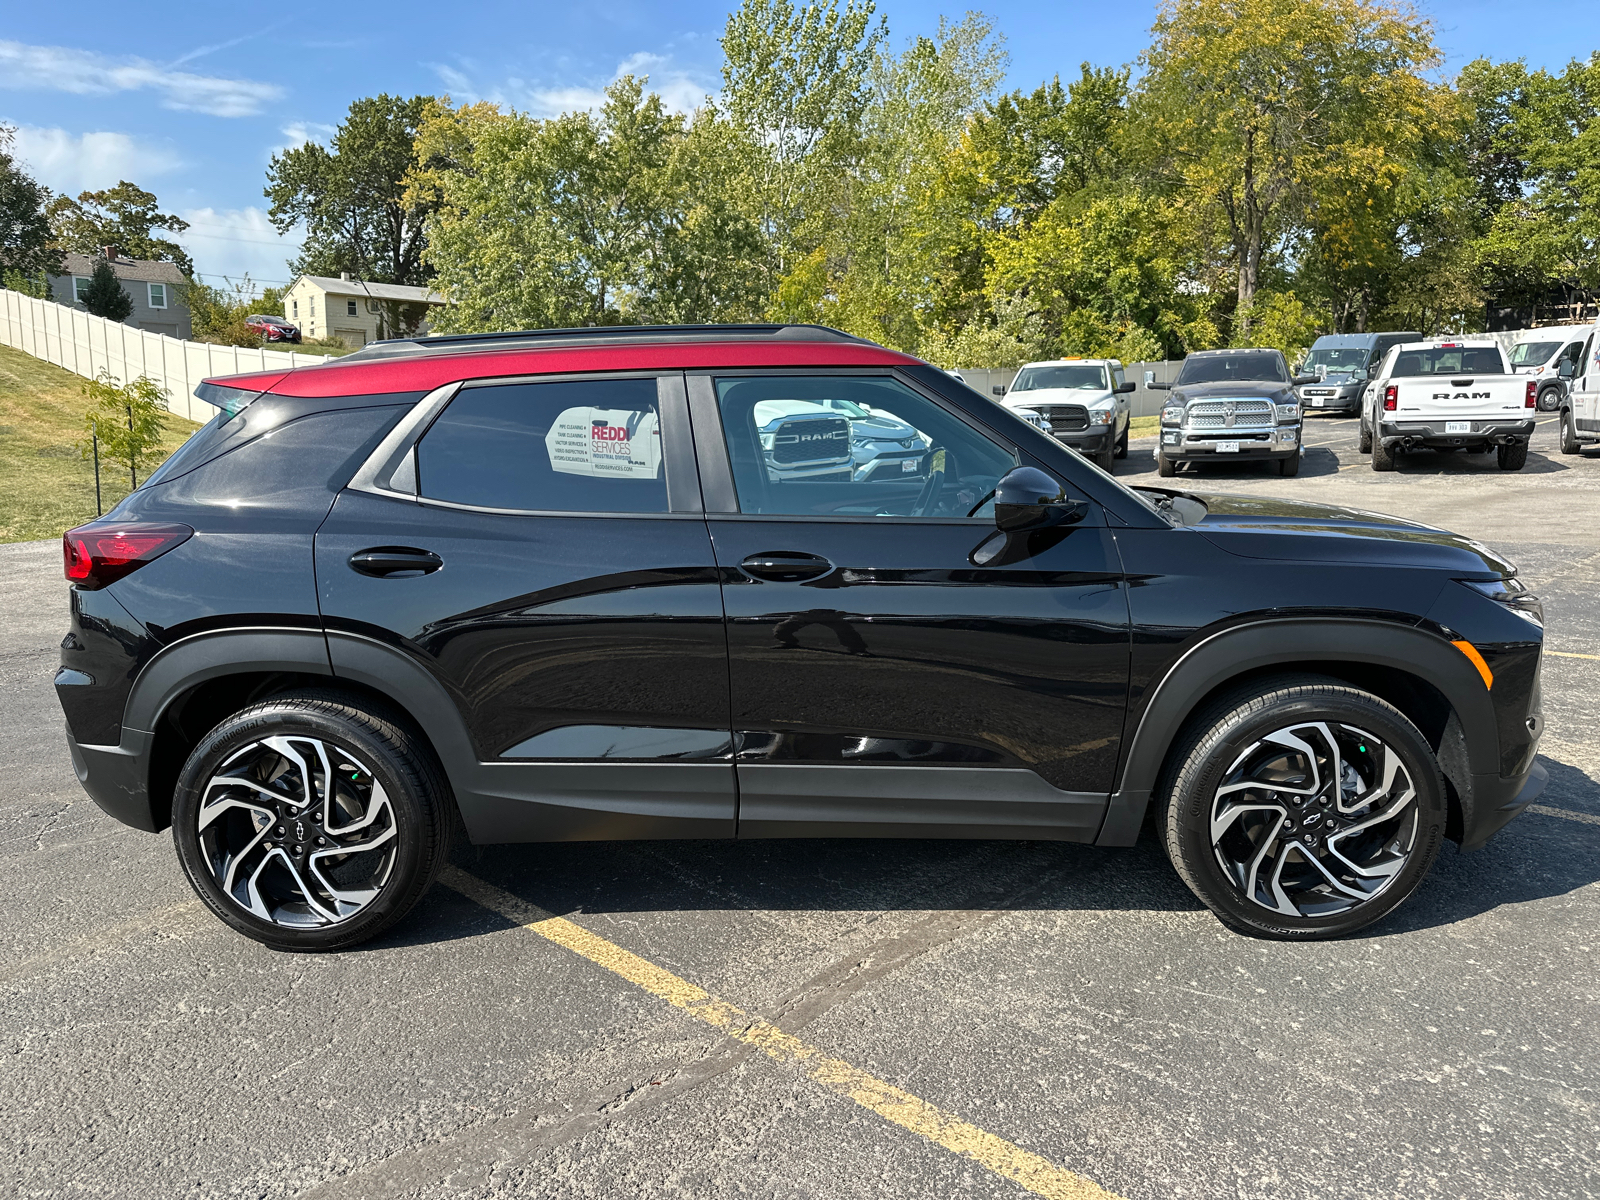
228	244
85	73
71	163
298	133
679	90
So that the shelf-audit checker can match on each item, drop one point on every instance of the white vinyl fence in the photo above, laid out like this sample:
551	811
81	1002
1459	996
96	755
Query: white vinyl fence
87	345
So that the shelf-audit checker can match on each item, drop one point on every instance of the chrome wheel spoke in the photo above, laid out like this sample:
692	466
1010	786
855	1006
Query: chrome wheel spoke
298	832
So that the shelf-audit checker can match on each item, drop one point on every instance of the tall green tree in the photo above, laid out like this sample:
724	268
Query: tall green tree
25	242
353	198
125	218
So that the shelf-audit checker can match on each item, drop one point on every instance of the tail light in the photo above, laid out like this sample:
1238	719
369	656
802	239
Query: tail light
96	555
1532	400
1391	398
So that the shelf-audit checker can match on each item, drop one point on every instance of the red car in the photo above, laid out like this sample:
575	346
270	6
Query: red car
273	329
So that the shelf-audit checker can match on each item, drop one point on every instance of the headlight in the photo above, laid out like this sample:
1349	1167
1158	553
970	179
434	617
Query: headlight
1102	416
1172	415
1511	594
1288	412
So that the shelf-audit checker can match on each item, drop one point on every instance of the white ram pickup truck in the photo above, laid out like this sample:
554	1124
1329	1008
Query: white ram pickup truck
1448	394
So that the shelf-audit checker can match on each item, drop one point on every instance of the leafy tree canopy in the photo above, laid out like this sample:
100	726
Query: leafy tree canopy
25	244
124	218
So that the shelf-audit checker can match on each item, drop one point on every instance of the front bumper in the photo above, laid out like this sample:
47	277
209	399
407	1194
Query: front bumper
1182	445
1095	438
1331	399
1433	433
116	778
1496	800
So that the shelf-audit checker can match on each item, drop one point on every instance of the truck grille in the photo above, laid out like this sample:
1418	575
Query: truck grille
1246	414
814	439
1065	418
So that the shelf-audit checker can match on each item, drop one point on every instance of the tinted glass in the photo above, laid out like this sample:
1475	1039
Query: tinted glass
583	446
853	447
1263	367
1074	376
1531	354
1349	358
1459	360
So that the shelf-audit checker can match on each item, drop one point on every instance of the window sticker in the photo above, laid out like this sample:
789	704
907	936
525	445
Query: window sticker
617	443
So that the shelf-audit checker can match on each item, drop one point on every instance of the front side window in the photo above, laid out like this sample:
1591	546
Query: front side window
158	295
1265	366
1532	354
1075	376
854	446
576	446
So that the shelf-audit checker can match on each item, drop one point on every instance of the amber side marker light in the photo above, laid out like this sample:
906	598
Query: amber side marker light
1476	660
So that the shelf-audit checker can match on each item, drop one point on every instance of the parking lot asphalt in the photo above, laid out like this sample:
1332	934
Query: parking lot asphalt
824	1019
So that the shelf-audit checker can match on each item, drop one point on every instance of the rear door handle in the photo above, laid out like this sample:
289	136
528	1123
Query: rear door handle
786	566
383	561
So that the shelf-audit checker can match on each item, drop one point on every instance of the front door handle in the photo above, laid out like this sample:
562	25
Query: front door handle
786	566
384	561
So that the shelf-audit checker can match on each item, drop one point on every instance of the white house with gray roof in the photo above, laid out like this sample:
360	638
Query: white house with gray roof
353	310
156	289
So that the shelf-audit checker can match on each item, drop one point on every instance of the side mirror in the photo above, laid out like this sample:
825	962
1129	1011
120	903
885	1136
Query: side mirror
1027	498
1322	370
1149	378
1299	379
1567	369
1156	387
999	389
1122	389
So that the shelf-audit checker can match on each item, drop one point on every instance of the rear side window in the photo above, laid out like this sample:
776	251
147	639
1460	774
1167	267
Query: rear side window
589	445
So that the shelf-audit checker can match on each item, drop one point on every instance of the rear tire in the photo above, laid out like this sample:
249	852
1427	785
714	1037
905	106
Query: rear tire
1165	467
1275	858
308	823
1365	443
1382	456
1512	458
1569	434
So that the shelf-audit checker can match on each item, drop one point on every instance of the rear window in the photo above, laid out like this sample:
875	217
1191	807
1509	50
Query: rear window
575	446
1265	366
1456	360
1076	376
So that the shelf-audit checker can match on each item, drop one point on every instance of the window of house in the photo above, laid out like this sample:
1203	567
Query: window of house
158	295
80	285
351	309
575	446
296	309
840	446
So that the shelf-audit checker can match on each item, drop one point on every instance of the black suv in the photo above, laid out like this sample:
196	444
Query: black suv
558	586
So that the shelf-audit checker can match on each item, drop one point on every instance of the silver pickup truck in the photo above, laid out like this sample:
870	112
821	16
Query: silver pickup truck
1447	394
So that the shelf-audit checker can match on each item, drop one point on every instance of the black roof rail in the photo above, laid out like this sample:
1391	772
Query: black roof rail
597	335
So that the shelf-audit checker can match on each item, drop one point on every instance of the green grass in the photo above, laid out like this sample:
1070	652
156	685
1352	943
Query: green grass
46	487
1144	426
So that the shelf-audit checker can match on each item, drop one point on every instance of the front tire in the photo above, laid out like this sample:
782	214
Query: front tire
1302	808
1165	467
1512	458
1549	399
1106	457
1289	467
1122	442
308	823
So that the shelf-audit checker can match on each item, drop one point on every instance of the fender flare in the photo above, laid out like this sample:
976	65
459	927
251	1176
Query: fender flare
192	660
1291	643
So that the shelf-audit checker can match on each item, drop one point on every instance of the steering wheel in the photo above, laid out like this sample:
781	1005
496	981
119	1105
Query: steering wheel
940	462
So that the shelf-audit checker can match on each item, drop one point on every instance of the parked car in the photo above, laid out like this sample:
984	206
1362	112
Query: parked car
1238	403
1551	356
1081	401
1448	394
544	587
833	437
1580	403
1342	362
273	329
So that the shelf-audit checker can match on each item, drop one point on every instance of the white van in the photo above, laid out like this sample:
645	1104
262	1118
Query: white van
1580	411
1551	356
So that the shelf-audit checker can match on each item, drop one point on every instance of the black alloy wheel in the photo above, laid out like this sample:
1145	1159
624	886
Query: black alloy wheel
308	823
1303	808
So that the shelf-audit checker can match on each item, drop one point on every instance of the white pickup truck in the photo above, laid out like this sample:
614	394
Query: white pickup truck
1447	394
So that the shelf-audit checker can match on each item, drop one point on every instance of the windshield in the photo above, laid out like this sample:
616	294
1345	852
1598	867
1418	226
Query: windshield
1261	366
1532	354
1449	360
1072	375
1350	358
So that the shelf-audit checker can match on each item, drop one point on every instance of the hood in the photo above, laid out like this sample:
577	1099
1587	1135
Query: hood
1032	396
881	426
1293	531
1335	377
1265	389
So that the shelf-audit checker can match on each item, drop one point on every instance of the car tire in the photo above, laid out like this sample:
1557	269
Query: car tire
1512	458
1364	443
1549	399
263	853
1289	467
1122	442
1569	434
1262	856
1382	456
1106	457
1165	467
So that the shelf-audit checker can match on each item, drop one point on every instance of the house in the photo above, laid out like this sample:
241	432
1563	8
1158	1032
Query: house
156	289
355	311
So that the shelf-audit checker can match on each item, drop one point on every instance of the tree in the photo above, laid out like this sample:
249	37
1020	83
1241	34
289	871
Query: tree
1250	108
25	249
105	295
353	196
124	218
126	420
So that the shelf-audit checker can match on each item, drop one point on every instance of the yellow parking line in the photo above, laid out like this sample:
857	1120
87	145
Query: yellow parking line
1036	1174
1569	654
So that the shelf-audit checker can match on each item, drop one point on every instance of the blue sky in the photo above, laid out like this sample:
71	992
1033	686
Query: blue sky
193	105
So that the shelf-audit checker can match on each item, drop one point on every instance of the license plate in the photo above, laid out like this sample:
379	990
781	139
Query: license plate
1458	426
908	465
1319	402
1227	447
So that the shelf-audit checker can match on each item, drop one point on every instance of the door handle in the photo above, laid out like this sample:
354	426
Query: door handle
786	566
383	561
